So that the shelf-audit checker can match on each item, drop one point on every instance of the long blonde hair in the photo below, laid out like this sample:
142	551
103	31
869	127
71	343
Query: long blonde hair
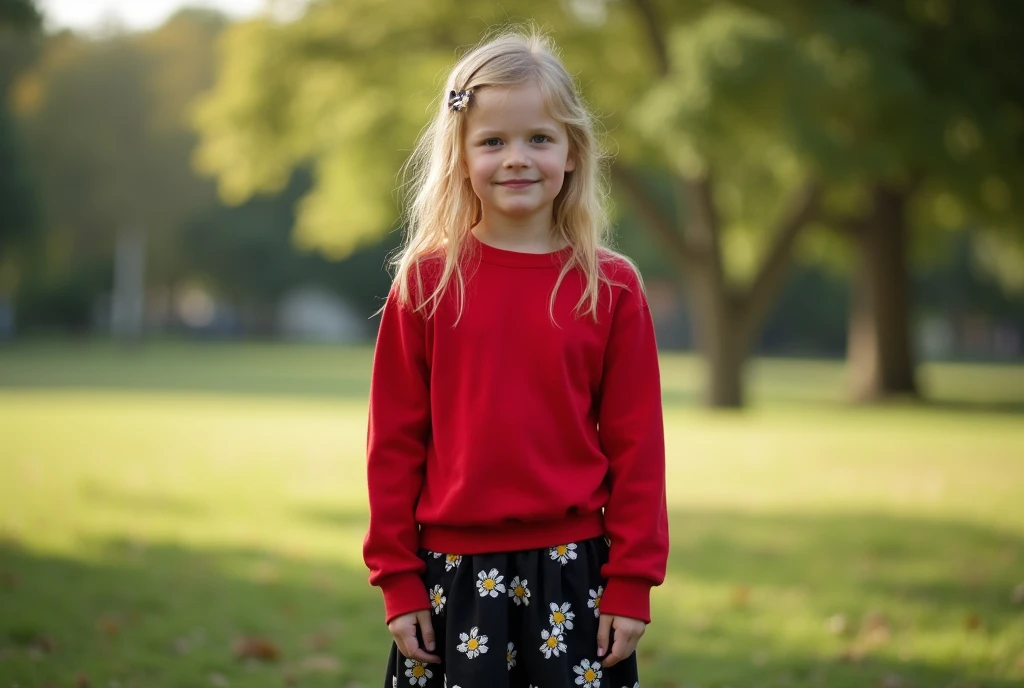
440	206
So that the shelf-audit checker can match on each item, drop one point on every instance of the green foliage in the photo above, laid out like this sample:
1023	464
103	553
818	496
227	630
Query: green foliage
19	14
764	94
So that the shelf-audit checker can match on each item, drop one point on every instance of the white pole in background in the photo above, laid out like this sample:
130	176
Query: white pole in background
129	298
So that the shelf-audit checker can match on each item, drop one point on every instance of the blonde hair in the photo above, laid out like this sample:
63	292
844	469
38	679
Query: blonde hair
441	207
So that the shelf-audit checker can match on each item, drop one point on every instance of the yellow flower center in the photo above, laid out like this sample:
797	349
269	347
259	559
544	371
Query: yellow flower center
418	670
451	557
562	549
508	656
589	676
437	598
489	584
597	601
559	617
552	642
520	591
473	643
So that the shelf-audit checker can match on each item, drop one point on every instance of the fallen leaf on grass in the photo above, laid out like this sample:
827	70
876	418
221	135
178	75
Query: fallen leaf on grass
82	681
972	622
740	596
254	647
837	624
108	626
43	644
850	654
875	629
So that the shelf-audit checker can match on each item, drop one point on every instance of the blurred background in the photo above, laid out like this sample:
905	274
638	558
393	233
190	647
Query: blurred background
197	203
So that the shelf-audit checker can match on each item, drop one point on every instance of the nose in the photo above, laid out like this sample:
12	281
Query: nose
516	157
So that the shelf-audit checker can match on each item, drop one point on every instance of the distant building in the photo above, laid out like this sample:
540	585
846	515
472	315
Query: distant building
316	315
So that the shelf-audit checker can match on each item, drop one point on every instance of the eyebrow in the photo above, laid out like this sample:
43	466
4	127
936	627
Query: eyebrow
494	133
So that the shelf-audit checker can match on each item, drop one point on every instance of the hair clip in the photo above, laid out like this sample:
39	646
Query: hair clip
457	102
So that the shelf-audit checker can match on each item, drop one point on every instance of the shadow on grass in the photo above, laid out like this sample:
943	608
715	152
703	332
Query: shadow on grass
160	614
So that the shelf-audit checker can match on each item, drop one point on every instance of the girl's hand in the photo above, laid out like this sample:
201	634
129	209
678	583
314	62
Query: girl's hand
627	635
403	630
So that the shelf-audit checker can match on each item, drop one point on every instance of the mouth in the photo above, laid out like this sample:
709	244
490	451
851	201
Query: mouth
517	183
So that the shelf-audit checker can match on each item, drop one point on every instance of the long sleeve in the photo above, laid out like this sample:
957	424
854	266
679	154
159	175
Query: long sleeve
631	431
399	427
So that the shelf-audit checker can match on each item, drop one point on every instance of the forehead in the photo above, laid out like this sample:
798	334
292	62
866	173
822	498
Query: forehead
522	106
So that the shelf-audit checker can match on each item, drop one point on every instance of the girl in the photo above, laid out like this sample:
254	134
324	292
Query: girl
516	462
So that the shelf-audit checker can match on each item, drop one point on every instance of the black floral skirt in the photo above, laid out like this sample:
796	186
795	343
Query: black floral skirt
515	620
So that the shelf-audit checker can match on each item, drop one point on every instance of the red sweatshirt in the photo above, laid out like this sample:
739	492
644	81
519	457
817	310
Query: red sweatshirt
507	432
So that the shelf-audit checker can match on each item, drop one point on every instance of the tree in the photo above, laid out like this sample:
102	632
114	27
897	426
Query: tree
950	163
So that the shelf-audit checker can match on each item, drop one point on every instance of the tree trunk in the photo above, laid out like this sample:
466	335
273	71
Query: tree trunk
722	341
879	356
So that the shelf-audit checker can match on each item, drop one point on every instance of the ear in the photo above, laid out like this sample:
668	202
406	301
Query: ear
570	163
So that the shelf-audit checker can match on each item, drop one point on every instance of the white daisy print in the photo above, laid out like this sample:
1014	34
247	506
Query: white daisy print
518	591
490	583
436	555
588	675
595	603
394	682
418	673
437	599
563	553
561	618
451	561
553	643
473	645
510	656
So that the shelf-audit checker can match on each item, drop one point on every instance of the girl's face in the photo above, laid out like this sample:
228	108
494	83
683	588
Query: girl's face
516	153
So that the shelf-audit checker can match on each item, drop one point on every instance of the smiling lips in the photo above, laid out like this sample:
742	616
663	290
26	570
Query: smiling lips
517	183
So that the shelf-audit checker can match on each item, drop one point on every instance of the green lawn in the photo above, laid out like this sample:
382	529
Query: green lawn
158	507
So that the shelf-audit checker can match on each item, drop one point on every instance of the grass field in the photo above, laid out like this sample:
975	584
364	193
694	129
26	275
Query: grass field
172	514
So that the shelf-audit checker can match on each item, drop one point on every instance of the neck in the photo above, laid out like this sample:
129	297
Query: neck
528	234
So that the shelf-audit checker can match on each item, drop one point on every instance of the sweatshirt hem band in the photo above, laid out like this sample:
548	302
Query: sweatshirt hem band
510	537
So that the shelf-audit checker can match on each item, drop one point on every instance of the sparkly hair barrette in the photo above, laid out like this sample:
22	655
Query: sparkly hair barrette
459	101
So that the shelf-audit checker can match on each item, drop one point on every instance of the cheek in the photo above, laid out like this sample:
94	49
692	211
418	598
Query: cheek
480	168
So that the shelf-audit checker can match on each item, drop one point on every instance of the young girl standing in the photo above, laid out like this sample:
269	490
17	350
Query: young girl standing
516	461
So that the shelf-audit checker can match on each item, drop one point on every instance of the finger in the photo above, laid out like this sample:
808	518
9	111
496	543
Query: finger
621	649
409	646
426	628
604	629
413	649
424	658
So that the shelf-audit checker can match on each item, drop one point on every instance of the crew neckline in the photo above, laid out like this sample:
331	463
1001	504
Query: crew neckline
519	259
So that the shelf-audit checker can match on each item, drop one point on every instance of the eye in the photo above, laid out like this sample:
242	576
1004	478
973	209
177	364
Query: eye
540	138
492	142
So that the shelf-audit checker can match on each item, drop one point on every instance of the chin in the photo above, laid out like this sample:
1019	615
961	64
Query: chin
518	210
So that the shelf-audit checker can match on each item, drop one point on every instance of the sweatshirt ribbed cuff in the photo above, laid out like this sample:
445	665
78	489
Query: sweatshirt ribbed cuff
403	593
630	597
